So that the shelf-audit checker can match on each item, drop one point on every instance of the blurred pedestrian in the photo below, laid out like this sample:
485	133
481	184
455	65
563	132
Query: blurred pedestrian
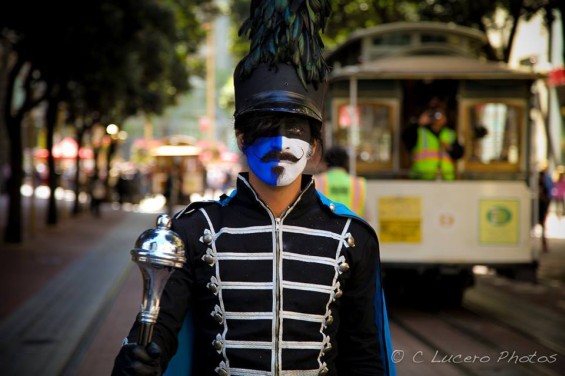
122	188
339	185
544	200
97	195
558	192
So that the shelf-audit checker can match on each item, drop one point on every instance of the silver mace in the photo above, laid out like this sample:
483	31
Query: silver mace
157	252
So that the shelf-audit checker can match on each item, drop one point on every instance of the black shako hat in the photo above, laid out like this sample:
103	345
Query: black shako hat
278	89
284	70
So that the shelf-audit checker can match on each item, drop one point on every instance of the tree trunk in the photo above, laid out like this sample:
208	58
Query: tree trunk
13	230
488	48
561	9
50	122
515	11
80	136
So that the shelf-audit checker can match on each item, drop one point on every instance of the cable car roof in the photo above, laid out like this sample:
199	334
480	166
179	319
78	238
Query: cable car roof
432	67
413	27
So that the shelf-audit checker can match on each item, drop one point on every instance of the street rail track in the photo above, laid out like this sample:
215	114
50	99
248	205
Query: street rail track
502	328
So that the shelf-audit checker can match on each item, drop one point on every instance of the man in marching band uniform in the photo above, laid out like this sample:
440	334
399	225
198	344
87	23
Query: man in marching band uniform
279	280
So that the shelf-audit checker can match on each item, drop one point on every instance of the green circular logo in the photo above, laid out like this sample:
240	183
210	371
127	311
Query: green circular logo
499	215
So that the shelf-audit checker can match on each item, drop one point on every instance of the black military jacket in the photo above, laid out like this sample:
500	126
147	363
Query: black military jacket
274	296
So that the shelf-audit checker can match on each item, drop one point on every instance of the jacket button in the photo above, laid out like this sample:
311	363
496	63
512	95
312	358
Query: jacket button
329	320
218	344
323	371
338	293
212	287
351	241
208	259
328	348
343	267
218	317
208	238
332	206
222	369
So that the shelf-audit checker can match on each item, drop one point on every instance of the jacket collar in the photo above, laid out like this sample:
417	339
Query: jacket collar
249	197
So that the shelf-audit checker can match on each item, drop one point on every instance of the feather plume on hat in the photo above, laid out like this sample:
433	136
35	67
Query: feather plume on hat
287	31
284	70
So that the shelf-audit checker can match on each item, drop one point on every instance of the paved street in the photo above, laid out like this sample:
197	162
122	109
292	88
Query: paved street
60	284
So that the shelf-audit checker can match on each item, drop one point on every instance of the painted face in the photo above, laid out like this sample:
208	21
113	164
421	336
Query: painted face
280	157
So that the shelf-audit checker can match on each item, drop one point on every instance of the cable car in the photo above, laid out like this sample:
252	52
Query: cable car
433	232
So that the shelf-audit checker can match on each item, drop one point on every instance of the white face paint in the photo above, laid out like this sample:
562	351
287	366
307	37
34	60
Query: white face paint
278	160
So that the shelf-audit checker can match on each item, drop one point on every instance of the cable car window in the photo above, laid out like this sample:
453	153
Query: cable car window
392	40
373	137
433	38
494	134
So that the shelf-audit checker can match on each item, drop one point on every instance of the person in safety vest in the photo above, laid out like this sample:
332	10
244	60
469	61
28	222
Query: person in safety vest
337	184
433	146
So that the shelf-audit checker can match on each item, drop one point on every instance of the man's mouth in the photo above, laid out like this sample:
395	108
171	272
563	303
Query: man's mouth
279	156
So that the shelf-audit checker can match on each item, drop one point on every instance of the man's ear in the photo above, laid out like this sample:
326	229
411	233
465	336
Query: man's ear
313	147
239	139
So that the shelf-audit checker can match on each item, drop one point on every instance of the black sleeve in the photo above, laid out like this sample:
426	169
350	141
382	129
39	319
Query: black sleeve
359	346
174	305
410	136
456	151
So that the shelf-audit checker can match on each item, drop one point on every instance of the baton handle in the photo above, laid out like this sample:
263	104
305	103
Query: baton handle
145	334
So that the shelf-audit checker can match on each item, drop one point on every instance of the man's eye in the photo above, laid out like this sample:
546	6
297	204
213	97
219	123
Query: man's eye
296	131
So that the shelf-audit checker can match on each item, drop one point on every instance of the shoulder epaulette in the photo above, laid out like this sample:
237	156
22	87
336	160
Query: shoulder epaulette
223	201
341	210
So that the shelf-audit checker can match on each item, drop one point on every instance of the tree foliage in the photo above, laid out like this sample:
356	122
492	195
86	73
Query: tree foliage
347	16
351	15
104	60
482	15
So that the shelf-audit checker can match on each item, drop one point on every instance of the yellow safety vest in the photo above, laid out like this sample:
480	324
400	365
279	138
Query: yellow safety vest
339	186
429	159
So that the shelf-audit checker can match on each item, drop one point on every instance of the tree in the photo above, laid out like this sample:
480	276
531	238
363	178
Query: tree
19	75
480	14
477	14
347	16
107	60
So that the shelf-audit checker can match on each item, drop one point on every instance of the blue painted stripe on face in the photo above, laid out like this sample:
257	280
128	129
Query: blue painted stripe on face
254	153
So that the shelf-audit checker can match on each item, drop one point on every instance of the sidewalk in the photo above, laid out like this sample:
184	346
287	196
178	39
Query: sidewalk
70	294
58	288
